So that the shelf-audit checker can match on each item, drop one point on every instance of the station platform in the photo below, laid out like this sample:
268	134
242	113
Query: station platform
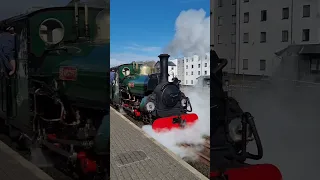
137	156
15	167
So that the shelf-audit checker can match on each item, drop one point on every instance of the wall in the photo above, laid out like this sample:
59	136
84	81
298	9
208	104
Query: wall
255	51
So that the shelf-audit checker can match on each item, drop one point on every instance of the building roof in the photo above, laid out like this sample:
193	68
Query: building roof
170	63
206	77
300	49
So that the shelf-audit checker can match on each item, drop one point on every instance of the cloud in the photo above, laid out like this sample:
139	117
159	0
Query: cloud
137	47
122	58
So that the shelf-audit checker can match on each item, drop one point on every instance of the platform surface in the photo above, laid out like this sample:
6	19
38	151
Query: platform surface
15	167
137	156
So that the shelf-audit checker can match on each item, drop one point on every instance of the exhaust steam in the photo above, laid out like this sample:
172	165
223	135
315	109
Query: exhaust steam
193	135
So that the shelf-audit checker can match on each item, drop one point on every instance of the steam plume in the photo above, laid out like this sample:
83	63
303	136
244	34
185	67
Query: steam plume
192	34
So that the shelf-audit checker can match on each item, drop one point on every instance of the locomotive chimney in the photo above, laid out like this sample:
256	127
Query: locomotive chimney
164	61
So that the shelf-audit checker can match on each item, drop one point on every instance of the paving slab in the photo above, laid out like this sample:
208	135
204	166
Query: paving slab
15	167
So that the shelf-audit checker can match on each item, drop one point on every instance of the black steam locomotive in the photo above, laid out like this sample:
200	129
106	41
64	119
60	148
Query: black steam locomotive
150	97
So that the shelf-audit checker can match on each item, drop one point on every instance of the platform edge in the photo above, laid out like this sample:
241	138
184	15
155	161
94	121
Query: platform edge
25	163
170	153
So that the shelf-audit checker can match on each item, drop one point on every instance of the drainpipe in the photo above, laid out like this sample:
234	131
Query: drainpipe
291	22
239	35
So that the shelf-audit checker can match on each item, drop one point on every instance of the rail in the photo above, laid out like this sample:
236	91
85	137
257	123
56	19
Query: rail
204	154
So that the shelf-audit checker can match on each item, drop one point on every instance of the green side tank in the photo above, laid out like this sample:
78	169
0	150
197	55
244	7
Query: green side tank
137	84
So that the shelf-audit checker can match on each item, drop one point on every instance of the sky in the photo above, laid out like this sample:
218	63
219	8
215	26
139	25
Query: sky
142	29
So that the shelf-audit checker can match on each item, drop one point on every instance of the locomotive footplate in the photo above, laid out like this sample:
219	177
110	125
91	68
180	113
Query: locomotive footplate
174	122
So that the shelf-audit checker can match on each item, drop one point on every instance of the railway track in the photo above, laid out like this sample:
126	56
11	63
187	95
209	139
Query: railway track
204	153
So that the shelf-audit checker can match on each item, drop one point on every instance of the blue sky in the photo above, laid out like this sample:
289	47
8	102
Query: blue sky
140	29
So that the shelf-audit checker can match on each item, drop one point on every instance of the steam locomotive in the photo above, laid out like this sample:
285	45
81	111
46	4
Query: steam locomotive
150	97
57	100
231	130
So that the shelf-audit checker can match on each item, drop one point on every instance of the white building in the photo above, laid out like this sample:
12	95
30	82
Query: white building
195	68
172	69
180	70
249	33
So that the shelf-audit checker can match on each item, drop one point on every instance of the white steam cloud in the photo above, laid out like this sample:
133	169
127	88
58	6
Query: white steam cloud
199	98
192	35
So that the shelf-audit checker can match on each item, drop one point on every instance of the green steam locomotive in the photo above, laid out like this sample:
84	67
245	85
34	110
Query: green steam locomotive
150	97
58	96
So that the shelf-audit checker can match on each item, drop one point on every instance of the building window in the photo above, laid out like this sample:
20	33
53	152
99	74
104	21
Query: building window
187	73
198	72
263	37
191	66
187	59
191	72
263	65
205	64
233	2
220	4
191	81
285	13
315	66
285	36
220	21
233	64
264	15
233	19
245	37
245	64
233	38
219	39
246	17
171	68
186	66
305	35
245	1
186	81
198	65
205	72
306	11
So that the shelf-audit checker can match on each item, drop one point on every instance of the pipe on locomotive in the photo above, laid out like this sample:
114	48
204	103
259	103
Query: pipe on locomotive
164	69
86	21
76	16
